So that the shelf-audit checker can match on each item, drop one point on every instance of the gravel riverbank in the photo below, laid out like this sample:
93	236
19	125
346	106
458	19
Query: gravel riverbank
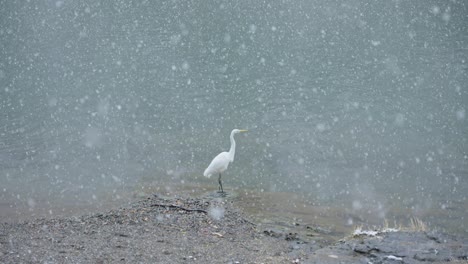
211	230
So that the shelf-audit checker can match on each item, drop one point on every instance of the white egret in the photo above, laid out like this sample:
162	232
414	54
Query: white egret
220	163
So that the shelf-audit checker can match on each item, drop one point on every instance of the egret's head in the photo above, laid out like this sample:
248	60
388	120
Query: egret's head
235	131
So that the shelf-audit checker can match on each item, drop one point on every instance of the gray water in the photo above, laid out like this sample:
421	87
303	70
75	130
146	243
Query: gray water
353	104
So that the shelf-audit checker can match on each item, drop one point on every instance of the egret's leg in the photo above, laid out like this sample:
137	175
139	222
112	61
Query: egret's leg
220	184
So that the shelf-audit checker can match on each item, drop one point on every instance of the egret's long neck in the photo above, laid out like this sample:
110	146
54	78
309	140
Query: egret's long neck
232	150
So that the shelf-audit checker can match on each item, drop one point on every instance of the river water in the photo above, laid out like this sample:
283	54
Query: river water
352	105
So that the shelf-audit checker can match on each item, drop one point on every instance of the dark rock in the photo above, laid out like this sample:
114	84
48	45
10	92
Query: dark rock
273	233
291	236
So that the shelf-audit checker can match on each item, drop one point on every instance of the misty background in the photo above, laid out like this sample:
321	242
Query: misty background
353	104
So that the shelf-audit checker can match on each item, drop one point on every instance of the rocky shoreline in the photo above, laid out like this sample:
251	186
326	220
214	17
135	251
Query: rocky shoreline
205	230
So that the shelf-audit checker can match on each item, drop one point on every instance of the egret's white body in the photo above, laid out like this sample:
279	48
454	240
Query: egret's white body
221	162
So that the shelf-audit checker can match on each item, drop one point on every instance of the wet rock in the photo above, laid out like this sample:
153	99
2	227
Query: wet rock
394	247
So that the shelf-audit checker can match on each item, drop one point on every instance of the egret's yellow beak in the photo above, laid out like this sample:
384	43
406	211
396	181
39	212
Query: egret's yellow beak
243	130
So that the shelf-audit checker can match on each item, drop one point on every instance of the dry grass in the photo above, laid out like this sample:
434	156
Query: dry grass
415	225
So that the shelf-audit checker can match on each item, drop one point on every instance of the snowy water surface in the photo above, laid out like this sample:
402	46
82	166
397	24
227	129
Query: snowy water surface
349	105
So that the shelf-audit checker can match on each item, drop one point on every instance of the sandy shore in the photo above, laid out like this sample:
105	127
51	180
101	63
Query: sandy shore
205	230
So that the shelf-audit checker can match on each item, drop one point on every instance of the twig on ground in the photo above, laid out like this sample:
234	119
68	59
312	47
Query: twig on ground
248	221
179	207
